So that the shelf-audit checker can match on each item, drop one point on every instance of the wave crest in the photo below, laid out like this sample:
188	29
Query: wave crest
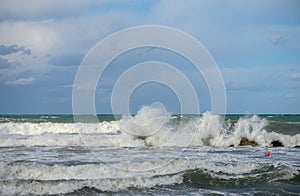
150	127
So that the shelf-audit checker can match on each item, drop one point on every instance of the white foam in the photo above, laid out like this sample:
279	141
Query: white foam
63	187
123	170
148	121
71	140
34	178
35	171
196	132
150	127
58	128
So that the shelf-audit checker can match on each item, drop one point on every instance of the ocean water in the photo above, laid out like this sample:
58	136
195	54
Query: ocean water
152	153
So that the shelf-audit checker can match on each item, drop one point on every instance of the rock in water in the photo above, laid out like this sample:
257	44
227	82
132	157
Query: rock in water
246	142
277	144
297	146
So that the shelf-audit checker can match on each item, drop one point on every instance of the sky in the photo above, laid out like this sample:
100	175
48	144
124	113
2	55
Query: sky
255	44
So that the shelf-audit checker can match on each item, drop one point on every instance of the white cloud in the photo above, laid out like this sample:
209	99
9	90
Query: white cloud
232	27
233	31
32	9
71	35
277	39
21	81
37	36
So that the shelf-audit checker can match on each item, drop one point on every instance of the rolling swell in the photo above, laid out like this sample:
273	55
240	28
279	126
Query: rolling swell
266	174
36	178
263	183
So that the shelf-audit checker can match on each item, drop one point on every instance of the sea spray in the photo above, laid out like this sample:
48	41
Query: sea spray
151	126
152	152
148	121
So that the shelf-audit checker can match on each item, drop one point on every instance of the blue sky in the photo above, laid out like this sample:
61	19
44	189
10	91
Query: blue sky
256	45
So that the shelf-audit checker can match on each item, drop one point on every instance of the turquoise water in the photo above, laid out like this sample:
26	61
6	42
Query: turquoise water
149	154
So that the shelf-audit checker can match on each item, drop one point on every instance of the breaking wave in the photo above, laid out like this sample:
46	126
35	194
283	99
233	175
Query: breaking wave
149	127
36	178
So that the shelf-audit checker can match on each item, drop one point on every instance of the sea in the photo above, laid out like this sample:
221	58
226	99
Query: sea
150	153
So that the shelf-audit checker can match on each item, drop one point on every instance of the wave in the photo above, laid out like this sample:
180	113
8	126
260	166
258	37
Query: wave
58	128
149	127
69	186
36	178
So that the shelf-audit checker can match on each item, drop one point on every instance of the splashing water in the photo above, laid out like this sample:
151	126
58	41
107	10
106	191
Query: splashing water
152	152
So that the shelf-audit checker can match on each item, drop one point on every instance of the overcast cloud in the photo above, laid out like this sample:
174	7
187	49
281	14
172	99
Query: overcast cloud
256	45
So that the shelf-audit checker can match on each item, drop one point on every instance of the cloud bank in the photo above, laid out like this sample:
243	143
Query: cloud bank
256	44
10	49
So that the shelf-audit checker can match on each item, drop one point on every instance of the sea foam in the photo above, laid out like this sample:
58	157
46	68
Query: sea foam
149	127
